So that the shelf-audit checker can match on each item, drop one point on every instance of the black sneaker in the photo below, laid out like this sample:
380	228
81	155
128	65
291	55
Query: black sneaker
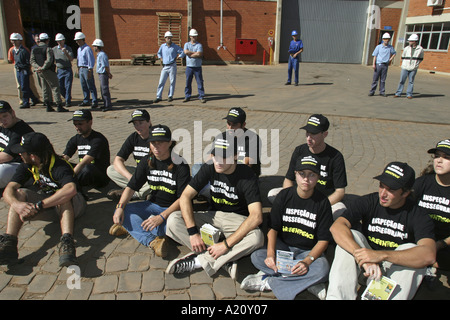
183	264
60	108
187	99
67	254
170	99
8	249
157	100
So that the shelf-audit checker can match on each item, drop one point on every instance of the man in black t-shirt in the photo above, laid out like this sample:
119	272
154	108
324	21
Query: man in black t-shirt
396	238
333	176
236	210
58	188
135	144
248	142
11	131
93	151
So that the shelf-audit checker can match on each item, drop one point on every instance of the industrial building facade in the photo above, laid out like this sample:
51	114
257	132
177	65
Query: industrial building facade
234	31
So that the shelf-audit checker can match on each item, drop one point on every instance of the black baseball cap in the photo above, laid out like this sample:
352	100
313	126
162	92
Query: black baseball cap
307	163
443	146
316	123
83	114
140	114
4	106
31	142
224	145
160	133
397	175
236	115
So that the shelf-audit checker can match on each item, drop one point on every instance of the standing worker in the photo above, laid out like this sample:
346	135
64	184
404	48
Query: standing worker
412	56
382	57
295	48
63	58
104	73
86	62
21	58
43	62
194	54
168	53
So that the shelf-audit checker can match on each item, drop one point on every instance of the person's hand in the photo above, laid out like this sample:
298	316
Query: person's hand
300	268
152	222
217	250
197	243
372	271
25	210
118	216
270	262
365	255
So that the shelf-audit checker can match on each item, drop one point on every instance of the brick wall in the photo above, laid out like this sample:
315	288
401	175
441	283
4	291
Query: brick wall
391	17
420	8
434	61
13	17
130	27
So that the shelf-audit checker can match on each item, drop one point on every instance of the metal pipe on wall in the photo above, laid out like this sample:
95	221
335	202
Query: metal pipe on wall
221	27
98	33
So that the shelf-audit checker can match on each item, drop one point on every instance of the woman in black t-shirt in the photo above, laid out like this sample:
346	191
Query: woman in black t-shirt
432	191
299	226
146	220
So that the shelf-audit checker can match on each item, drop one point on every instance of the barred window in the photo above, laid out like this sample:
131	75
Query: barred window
432	36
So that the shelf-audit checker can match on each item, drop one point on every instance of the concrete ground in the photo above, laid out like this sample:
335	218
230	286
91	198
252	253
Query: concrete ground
369	131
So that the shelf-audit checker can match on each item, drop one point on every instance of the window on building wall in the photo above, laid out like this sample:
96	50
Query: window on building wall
432	36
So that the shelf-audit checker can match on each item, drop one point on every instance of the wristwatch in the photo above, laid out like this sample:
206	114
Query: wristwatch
311	257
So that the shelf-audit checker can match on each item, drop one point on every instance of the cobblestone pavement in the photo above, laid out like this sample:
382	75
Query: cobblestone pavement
369	131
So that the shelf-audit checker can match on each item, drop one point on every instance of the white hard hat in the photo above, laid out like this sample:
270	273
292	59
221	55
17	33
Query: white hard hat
193	33
79	36
413	37
168	34
98	43
43	36
15	36
386	36
59	37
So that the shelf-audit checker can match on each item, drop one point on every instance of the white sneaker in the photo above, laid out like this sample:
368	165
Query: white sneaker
231	268
256	282
319	290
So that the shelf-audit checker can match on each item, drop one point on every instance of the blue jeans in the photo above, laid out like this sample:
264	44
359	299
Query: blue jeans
65	77
23	77
293	64
190	73
135	213
88	86
403	75
286	288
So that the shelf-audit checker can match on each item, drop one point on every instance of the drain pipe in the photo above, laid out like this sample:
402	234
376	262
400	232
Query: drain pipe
221	27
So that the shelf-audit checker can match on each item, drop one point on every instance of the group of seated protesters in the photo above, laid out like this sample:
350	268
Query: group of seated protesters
400	231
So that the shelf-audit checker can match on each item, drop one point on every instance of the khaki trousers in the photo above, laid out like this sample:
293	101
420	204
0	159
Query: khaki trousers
50	86
228	223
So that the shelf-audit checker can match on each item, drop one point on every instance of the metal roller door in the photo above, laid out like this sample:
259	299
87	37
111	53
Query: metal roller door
331	30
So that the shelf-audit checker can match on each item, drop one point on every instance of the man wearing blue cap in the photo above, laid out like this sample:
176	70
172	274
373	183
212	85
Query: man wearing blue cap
295	48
